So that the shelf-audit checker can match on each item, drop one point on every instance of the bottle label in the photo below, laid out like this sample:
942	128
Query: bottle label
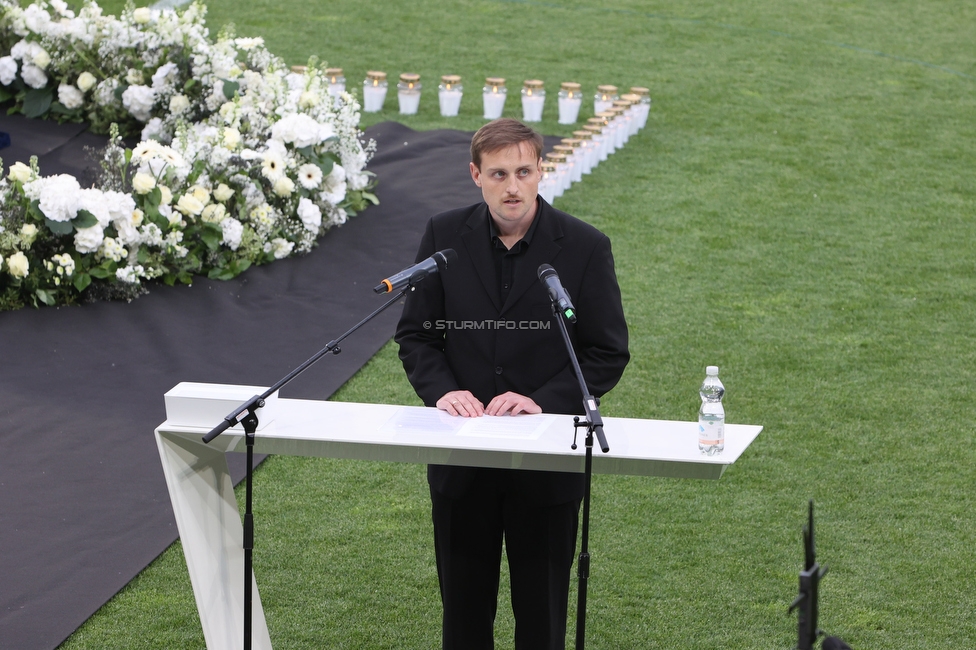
711	433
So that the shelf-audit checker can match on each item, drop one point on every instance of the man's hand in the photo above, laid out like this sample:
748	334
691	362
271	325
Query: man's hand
512	404
461	402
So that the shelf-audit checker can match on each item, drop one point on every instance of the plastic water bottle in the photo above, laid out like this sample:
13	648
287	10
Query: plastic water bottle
711	415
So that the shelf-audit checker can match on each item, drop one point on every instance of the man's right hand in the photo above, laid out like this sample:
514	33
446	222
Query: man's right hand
461	402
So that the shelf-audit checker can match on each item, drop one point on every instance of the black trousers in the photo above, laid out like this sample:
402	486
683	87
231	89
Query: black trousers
540	543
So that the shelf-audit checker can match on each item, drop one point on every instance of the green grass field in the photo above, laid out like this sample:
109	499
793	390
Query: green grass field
801	211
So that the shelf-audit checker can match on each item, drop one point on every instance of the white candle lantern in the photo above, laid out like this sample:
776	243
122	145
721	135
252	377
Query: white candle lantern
533	99
374	91
571	163
633	112
449	94
560	182
596	144
570	100
644	107
337	82
609	132
494	94
546	185
585	149
621	111
602	121
604	98
577	152
408	92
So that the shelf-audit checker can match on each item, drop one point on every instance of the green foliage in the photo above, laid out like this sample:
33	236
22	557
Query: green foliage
796	212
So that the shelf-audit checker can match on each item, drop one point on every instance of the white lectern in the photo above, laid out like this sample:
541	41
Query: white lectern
206	508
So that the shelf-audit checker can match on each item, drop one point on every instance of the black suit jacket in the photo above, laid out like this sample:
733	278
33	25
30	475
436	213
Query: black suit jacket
455	334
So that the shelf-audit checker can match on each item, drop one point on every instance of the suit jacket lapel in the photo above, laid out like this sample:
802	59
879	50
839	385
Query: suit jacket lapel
478	246
544	248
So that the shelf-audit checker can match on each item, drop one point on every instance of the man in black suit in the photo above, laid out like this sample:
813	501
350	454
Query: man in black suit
478	339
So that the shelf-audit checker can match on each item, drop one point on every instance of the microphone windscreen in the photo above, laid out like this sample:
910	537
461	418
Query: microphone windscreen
445	258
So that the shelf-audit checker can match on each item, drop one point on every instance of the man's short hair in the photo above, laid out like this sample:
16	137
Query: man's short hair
500	134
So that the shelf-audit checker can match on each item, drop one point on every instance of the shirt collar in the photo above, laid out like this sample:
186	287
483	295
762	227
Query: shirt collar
527	237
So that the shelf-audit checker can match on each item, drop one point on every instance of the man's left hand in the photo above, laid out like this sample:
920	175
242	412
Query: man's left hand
512	404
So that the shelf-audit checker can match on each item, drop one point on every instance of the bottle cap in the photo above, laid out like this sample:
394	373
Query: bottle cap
711	370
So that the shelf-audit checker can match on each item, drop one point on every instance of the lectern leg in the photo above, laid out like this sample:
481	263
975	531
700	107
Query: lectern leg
209	523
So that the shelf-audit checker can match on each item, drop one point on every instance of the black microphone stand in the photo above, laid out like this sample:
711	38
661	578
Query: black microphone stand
246	415
594	425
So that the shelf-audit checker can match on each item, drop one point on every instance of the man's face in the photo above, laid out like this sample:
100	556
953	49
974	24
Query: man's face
509	181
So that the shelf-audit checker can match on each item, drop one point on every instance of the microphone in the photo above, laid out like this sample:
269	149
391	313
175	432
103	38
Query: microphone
414	274
557	294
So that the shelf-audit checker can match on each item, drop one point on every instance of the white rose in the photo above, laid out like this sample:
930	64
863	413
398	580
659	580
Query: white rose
20	172
28	232
70	96
18	265
214	213
143	183
308	99
86	81
142	15
223	193
178	104
41	58
189	205
310	214
284	187
232	138
167	195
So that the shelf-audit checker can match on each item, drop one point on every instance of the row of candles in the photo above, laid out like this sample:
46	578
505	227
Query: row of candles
494	94
616	117
600	137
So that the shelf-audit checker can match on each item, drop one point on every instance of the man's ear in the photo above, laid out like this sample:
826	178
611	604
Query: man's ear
475	174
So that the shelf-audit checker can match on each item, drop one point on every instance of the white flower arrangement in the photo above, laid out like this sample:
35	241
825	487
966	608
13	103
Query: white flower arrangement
240	161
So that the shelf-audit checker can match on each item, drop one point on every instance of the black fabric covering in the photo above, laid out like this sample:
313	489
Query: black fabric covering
83	503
